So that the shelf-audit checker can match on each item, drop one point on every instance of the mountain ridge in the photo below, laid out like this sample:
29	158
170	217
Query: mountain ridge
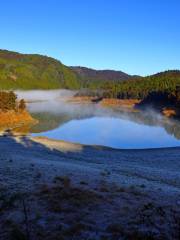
103	74
36	71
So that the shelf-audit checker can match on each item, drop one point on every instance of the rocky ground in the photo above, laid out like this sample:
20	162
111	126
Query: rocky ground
56	190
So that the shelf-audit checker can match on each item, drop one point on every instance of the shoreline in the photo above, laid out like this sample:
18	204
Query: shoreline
128	105
55	142
14	120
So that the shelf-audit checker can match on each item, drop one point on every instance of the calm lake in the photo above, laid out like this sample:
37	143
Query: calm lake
96	125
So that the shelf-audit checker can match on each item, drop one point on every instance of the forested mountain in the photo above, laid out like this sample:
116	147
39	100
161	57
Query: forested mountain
33	71
90	77
140	87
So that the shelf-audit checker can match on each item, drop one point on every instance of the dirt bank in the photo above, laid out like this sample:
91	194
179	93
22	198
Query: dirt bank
171	112
128	105
122	103
13	119
79	100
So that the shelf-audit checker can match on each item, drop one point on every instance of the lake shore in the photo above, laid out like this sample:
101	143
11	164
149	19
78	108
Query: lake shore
56	189
14	119
128	105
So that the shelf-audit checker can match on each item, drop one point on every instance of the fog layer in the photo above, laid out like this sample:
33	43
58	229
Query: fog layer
44	95
53	110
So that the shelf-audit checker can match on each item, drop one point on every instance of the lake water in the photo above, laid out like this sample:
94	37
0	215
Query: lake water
93	124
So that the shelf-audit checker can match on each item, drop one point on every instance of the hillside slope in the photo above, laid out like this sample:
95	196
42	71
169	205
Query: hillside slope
140	87
33	71
90	76
88	73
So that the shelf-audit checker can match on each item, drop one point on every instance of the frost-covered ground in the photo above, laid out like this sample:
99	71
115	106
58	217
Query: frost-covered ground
56	190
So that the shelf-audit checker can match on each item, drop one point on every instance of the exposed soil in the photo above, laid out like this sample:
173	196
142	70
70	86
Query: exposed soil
169	112
123	103
13	119
81	99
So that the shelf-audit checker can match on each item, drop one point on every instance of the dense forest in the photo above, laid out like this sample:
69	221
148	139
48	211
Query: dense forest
88	76
33	71
164	86
140	87
8	101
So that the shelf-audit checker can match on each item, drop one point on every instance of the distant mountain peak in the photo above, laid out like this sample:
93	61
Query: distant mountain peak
93	74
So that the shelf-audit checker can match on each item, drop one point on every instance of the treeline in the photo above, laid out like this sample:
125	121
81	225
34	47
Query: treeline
8	101
140	87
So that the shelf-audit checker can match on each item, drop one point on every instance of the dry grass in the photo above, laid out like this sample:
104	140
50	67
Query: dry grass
64	193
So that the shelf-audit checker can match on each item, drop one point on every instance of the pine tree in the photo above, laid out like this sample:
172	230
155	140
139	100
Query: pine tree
22	105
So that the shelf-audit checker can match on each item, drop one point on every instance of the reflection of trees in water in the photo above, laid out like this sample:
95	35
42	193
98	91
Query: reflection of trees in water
49	121
151	118
173	129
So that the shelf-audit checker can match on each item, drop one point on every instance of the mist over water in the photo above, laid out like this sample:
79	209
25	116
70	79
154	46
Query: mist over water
55	102
44	95
96	125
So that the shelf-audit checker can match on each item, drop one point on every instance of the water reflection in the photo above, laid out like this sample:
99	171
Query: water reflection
93	124
113	132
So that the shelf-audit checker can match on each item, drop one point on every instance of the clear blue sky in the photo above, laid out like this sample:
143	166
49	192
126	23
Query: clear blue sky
135	36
